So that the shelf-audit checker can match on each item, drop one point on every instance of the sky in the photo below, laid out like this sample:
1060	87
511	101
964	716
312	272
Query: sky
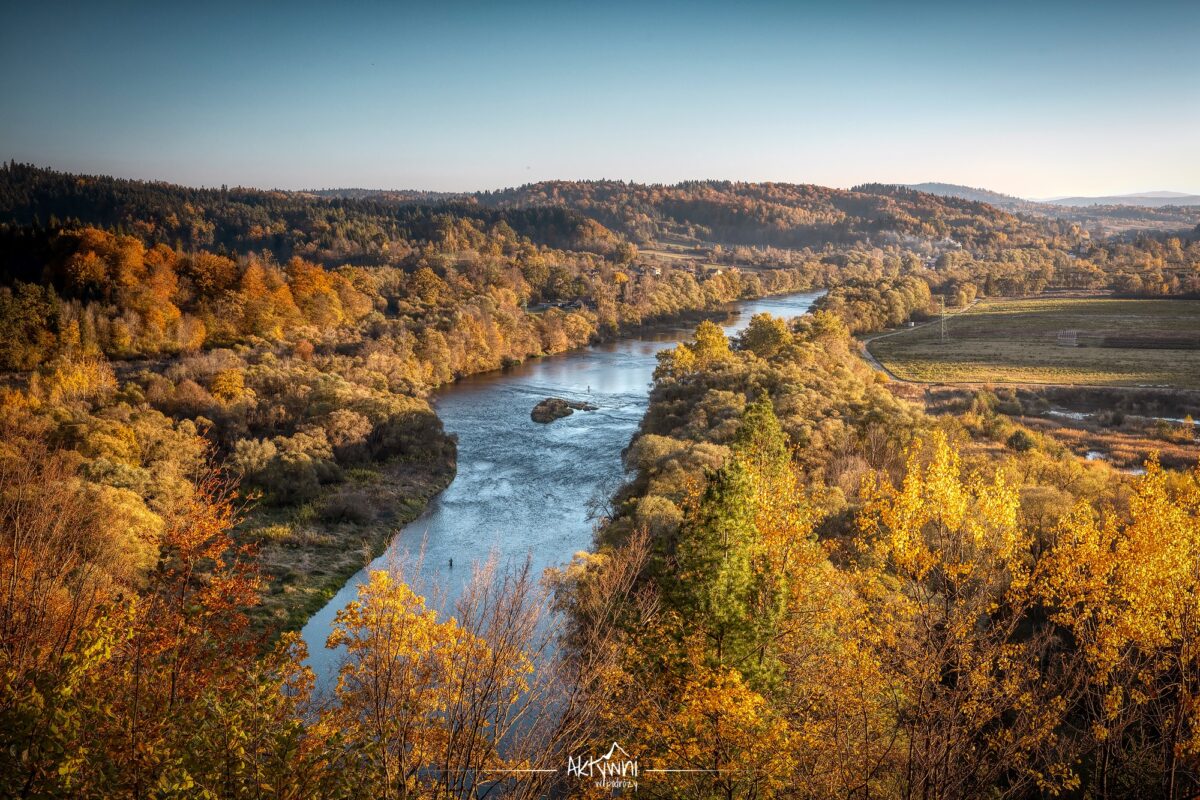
1035	99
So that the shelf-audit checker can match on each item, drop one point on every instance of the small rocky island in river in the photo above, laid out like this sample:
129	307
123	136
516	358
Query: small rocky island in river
553	408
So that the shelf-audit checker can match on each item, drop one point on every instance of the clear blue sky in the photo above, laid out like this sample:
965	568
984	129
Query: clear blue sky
1029	98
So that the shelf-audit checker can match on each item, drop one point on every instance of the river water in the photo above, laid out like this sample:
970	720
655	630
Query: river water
523	488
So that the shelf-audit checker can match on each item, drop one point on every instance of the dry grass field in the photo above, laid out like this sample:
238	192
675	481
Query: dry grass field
1116	343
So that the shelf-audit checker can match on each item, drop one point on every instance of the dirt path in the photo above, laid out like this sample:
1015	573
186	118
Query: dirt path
875	363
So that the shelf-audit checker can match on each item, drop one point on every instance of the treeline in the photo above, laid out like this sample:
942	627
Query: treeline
880	288
771	214
882	304
112	293
842	597
1146	266
1150	265
237	221
757	225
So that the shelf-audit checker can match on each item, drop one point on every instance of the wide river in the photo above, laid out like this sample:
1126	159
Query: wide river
523	488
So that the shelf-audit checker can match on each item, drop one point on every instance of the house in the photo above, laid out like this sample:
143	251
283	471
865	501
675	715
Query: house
648	269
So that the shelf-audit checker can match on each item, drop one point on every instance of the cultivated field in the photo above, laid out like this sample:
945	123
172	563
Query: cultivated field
1097	341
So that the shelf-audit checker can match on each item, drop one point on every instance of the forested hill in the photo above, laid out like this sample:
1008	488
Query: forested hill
335	226
240	221
395	195
776	214
1004	201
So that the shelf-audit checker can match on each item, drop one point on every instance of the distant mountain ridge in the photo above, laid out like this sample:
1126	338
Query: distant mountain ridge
1156	199
1005	201
1140	199
1164	211
396	195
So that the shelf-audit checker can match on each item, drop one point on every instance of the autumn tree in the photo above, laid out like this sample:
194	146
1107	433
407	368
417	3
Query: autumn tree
1127	589
765	335
130	690
977	711
711	344
27	315
434	707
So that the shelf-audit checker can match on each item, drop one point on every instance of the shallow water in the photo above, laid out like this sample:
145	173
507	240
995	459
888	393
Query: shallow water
523	488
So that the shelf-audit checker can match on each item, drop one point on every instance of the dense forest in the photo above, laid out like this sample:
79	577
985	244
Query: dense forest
286	224
780	215
843	597
216	402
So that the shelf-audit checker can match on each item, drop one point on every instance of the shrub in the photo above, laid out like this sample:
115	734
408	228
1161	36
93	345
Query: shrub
1020	441
659	515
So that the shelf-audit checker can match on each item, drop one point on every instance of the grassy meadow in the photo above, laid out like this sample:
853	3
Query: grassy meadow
1119	343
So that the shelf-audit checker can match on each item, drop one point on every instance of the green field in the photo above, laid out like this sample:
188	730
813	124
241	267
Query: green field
1120	343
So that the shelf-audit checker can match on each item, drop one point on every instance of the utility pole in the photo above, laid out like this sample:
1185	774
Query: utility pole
943	298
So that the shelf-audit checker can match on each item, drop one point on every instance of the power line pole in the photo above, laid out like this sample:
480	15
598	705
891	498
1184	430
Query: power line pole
943	298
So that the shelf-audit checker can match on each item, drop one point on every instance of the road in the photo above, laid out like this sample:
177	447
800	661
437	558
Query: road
876	364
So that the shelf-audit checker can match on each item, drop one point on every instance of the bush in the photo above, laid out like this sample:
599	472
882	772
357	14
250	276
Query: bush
659	515
292	479
362	476
251	456
1021	442
190	399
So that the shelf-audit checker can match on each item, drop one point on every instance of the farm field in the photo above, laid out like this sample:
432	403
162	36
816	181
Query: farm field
1118	343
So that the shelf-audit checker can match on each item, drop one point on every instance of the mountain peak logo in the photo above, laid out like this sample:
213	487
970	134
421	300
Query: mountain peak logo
616	769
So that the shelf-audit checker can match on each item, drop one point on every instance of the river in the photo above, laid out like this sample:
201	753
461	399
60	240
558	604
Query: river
523	488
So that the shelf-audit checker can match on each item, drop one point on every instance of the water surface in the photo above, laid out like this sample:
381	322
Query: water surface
523	488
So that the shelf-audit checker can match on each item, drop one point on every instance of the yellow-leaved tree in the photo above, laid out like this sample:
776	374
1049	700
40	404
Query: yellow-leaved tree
951	567
393	685
431	707
1128	590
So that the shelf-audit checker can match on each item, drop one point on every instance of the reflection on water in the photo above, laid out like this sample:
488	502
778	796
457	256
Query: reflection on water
522	488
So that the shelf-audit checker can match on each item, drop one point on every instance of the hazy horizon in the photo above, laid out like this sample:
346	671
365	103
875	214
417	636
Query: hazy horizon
1032	100
350	188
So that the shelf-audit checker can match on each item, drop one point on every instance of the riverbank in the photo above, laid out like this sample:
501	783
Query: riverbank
523	489
309	552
